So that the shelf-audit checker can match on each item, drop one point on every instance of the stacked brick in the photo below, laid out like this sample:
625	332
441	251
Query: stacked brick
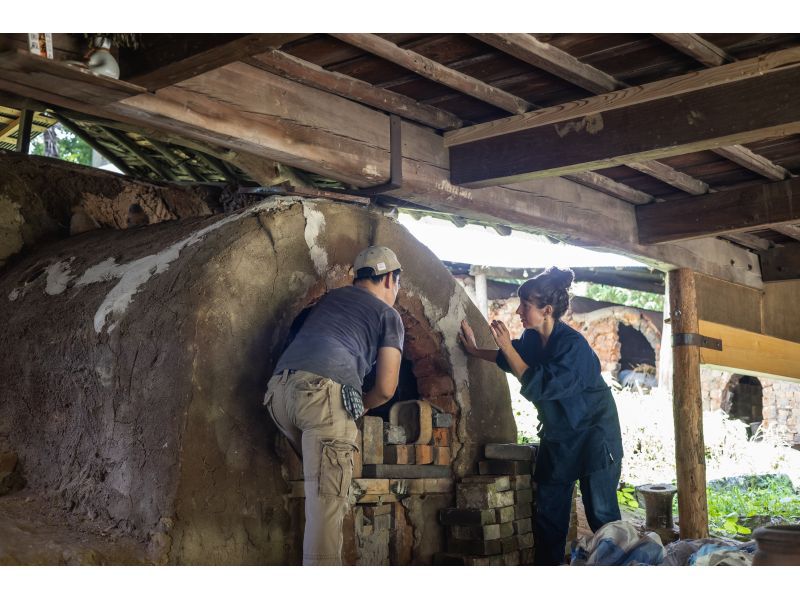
408	456
492	523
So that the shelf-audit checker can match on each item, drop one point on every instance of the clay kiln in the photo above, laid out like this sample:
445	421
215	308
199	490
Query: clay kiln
134	365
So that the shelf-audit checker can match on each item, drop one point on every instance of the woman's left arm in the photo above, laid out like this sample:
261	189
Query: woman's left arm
503	339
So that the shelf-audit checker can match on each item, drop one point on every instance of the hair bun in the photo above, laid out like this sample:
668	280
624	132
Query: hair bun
562	278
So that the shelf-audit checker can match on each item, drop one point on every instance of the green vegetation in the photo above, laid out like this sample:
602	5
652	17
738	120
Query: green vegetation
627	297
70	147
751	498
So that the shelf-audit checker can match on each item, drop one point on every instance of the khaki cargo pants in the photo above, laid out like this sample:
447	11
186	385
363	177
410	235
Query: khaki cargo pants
308	409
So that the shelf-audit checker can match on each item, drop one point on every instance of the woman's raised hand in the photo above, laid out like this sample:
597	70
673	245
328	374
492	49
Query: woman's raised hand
467	338
501	334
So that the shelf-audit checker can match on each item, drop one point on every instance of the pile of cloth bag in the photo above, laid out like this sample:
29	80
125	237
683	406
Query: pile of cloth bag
620	543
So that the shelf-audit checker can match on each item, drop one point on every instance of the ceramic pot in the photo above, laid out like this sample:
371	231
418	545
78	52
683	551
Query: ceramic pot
777	545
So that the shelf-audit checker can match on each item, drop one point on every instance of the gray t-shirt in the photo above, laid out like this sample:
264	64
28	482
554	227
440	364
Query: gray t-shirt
341	336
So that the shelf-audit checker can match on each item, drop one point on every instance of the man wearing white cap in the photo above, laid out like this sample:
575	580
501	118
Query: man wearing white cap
314	396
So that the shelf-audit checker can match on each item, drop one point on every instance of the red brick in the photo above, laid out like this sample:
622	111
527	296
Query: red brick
441	455
400	454
435	386
424	454
441	437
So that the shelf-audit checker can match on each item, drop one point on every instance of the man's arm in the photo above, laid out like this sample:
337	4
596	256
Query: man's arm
386	376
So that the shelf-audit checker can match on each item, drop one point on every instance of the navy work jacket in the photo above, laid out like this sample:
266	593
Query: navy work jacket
579	430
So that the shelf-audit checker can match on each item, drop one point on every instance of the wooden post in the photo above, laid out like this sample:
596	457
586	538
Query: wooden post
24	131
665	351
687	409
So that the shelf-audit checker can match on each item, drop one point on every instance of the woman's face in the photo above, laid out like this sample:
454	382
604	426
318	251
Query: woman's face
531	315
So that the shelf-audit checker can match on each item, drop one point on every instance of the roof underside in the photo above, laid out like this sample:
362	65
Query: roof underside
450	79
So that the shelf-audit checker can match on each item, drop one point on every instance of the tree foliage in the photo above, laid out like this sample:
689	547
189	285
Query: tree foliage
71	148
627	297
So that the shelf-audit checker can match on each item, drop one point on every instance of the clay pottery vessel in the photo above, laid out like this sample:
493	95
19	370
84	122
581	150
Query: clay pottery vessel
777	545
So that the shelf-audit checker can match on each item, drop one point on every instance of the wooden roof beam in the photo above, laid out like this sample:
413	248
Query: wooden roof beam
430	69
308	73
698	48
612	129
732	211
173	57
561	64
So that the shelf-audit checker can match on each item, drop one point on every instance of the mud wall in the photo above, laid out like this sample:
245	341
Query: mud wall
135	361
39	196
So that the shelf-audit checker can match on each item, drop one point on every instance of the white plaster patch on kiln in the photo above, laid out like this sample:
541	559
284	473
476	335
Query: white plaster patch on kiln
58	277
136	273
315	224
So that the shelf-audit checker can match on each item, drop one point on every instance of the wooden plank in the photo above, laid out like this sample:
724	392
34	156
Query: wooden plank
781	310
744	157
46	76
285	65
631	96
542	55
750	353
672	177
781	263
698	48
434	71
680	124
185	56
610	186
687	409
734	210
727	303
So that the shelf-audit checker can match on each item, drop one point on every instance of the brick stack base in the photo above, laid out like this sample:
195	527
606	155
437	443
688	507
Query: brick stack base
492	523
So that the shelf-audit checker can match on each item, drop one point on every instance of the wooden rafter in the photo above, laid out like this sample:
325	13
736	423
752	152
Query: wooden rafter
286	65
134	148
698	48
542	55
781	263
790	230
731	211
608	185
435	71
669	175
752	161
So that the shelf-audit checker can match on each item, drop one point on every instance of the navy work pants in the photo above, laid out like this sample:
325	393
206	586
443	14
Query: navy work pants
553	506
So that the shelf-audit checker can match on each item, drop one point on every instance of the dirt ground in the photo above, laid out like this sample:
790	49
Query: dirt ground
34	533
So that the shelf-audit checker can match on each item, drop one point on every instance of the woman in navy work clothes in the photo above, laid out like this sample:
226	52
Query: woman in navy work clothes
579	427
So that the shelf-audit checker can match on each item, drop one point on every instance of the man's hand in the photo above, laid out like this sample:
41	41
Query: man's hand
501	335
467	338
